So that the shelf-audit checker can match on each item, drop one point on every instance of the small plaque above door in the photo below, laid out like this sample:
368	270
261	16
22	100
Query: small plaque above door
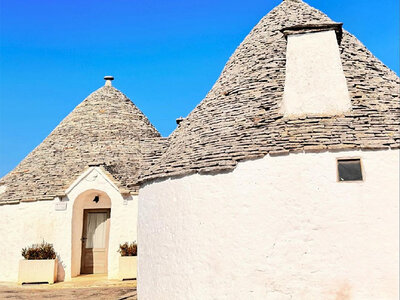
59	206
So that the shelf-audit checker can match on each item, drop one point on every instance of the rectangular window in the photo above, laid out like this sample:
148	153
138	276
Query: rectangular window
349	169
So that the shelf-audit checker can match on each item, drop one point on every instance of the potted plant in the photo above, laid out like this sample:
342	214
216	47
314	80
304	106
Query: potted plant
128	261
39	265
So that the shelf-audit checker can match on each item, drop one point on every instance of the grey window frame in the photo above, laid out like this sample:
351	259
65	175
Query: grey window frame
349	158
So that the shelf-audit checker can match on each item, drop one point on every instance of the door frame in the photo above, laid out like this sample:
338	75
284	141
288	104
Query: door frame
107	237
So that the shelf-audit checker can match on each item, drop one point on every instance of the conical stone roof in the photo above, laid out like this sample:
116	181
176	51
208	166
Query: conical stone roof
240	119
105	129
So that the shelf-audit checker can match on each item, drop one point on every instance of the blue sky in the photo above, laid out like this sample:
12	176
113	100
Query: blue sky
165	55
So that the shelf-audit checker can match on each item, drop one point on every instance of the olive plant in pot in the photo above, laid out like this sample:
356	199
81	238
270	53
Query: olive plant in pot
128	261
39	265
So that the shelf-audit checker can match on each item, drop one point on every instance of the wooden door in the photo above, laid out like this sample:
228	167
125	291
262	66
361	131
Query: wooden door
96	228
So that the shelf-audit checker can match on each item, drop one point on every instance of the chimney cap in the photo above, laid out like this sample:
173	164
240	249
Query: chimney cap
179	120
108	80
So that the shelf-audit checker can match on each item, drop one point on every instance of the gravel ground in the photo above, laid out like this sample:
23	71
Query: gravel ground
99	293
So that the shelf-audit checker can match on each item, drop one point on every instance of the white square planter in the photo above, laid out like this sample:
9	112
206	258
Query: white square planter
37	270
127	267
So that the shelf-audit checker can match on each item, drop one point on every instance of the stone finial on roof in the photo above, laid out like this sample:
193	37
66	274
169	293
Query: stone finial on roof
108	80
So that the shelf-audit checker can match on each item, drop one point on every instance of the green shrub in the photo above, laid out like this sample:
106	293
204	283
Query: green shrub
39	251
127	249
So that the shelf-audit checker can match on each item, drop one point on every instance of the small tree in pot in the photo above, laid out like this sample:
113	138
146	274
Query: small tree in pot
39	265
128	261
39	251
127	249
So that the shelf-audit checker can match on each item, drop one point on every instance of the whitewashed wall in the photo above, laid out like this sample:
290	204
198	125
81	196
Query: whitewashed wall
274	228
31	222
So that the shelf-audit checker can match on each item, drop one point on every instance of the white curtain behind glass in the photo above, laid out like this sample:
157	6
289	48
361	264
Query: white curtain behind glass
96	230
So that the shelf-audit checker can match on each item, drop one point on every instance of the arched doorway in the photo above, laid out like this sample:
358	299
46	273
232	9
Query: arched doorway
90	233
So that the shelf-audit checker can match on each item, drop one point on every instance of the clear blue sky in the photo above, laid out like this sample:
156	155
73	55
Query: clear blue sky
165	55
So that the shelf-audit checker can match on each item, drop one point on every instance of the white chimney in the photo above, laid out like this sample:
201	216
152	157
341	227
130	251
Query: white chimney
315	82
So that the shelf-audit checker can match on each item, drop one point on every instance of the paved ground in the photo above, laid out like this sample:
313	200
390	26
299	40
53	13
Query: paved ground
82	287
121	293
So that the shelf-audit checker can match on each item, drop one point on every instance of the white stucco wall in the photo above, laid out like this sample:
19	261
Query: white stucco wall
274	228
30	222
315	82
